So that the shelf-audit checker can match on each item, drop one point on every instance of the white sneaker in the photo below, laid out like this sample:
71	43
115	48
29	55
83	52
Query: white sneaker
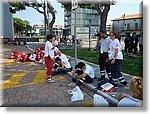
71	85
50	80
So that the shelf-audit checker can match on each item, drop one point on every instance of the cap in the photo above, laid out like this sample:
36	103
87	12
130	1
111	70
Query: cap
103	31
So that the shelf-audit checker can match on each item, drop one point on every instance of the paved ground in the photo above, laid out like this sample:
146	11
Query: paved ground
24	84
121	89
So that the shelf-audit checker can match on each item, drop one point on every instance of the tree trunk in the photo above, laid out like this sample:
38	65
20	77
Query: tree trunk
103	14
103	17
52	22
45	25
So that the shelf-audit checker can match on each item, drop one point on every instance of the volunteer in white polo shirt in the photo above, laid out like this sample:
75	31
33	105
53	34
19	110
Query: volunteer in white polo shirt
49	56
115	57
103	43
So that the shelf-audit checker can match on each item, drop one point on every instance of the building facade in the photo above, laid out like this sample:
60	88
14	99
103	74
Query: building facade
86	20
40	30
128	23
6	21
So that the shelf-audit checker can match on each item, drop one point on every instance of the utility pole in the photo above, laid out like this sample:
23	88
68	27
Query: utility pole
45	18
89	34
74	7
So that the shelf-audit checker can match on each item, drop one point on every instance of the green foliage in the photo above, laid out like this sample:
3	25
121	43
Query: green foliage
16	6
38	37
21	25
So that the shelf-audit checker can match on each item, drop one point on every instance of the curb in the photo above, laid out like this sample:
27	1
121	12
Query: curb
98	66
91	87
113	100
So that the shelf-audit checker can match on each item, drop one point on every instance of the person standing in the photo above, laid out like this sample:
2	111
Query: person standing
141	43
49	55
103	44
115	57
135	41
127	44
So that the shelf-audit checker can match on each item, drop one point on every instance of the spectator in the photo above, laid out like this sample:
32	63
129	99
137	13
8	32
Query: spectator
136	97
104	44
141	43
56	43
115	57
61	68
119	36
84	72
49	54
134	43
127	43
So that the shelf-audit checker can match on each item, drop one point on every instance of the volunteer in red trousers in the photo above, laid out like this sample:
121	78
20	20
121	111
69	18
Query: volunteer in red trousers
49	55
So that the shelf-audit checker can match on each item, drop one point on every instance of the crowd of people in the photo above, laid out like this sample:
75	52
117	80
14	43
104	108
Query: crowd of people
132	43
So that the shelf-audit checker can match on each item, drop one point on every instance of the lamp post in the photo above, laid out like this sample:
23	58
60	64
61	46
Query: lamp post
89	34
123	21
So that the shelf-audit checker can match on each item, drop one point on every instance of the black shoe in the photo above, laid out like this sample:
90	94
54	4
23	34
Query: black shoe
124	83
100	79
115	85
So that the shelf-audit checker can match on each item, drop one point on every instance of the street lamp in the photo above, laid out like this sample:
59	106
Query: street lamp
123	16
89	34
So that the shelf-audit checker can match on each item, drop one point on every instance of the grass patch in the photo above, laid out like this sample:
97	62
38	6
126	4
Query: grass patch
133	66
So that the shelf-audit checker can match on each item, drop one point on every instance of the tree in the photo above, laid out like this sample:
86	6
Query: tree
18	26
102	7
21	26
28	27
43	7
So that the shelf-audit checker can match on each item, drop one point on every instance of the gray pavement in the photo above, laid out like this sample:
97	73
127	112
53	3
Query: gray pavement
120	89
24	84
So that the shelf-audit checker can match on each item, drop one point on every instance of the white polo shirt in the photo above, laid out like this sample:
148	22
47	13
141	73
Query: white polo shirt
48	49
64	59
130	102
89	70
115	44
105	44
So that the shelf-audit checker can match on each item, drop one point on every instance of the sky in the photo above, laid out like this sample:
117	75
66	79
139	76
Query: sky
122	7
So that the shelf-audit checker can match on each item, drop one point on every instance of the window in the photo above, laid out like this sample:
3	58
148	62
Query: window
128	26
136	26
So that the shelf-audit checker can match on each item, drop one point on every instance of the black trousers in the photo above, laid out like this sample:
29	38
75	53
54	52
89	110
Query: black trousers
102	62
86	79
104	65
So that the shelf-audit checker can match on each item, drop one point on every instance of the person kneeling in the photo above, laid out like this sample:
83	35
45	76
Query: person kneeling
60	67
84	72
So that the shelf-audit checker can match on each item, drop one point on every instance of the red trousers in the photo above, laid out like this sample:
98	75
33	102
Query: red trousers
49	66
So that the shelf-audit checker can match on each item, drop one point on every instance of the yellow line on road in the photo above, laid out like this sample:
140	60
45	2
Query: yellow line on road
89	104
15	78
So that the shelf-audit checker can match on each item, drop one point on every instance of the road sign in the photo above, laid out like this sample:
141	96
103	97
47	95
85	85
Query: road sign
74	4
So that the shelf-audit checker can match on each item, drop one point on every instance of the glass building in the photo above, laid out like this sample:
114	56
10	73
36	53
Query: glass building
86	19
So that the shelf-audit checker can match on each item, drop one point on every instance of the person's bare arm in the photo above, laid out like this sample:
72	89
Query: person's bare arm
121	96
115	56
82	75
98	41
